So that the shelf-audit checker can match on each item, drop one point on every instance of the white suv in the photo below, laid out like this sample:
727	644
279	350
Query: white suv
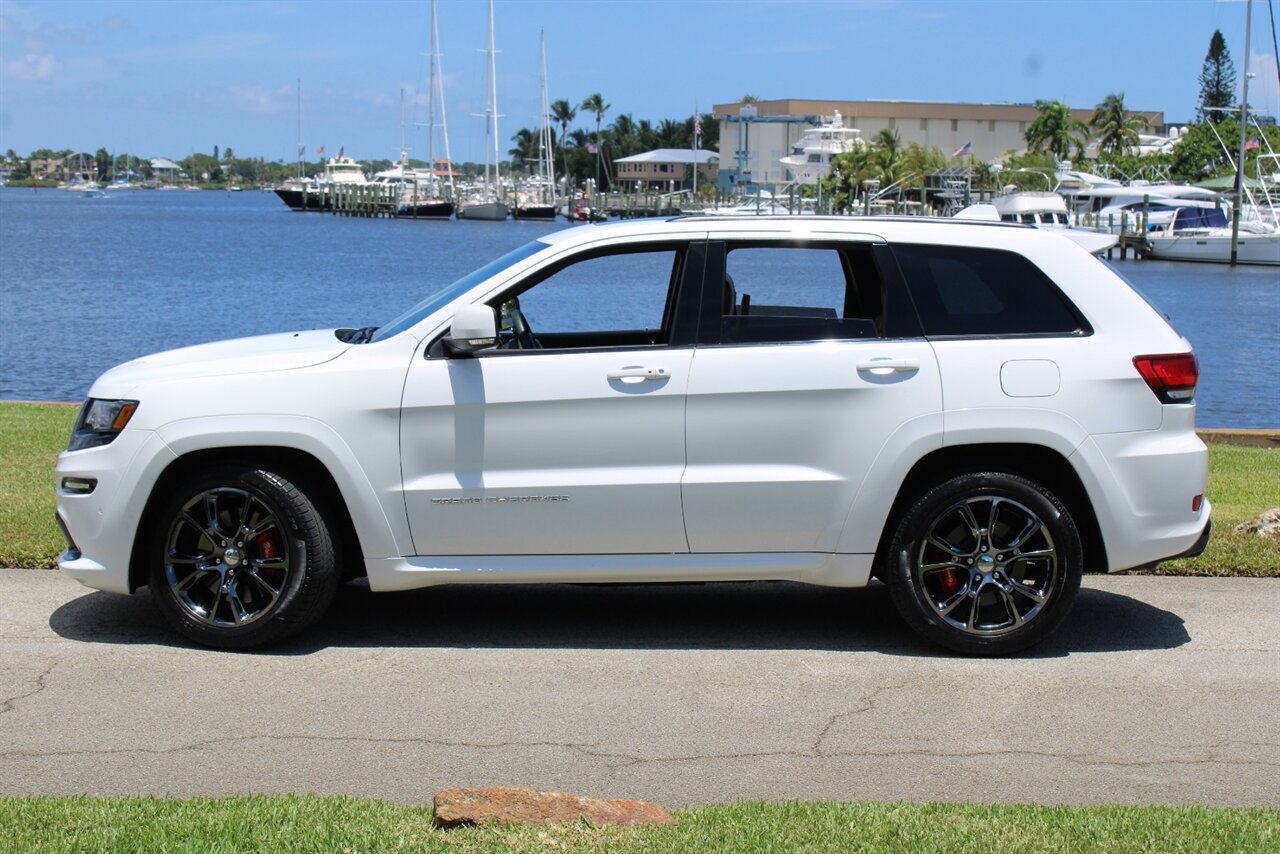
974	413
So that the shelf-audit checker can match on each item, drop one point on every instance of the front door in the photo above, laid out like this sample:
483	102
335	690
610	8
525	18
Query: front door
569	438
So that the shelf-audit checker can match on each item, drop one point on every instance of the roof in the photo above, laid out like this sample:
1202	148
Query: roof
906	229
672	155
163	163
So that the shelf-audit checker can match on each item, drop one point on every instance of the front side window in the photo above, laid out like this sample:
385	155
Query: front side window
611	300
793	293
443	297
962	290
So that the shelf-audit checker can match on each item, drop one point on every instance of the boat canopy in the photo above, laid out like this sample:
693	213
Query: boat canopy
1188	218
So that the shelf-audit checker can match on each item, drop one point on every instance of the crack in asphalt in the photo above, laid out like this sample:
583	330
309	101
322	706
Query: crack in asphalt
42	681
624	760
868	704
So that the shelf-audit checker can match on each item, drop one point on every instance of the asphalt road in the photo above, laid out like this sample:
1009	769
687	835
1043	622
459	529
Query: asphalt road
1157	690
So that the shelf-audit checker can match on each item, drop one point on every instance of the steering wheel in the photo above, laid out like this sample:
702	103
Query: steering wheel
522	335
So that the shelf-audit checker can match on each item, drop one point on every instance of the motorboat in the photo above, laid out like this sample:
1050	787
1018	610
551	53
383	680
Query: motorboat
810	158
1039	210
310	195
1204	235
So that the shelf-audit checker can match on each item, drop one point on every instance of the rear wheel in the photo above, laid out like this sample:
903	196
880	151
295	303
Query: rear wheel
985	564
241	557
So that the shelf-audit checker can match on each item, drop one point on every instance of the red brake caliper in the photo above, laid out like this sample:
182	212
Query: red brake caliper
266	545
949	579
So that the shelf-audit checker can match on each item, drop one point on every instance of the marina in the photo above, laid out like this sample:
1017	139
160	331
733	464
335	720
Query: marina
188	268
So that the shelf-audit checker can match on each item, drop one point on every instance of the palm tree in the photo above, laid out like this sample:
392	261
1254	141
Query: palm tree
1114	127
594	103
885	156
563	115
526	147
622	135
671	134
1055	131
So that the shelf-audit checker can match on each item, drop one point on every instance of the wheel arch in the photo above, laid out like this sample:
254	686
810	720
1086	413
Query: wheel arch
1043	465
304	469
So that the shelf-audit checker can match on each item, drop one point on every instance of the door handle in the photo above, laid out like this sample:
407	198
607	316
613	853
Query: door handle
889	366
638	374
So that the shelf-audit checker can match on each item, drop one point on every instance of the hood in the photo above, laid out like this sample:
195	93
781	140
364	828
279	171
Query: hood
281	352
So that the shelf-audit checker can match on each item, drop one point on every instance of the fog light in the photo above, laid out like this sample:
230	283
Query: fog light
79	485
1196	502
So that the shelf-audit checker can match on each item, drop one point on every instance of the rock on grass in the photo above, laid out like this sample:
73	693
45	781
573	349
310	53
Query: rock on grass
460	806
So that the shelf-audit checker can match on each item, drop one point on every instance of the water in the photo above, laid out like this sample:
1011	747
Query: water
88	283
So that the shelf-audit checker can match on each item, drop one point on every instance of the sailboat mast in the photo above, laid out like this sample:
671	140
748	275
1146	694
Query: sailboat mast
431	99
1241	187
438	71
546	156
404	153
493	96
300	148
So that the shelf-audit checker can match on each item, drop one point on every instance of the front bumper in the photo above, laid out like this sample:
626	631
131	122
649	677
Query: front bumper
100	525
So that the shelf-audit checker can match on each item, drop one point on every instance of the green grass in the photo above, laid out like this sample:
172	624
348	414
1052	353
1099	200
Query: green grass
31	436
309	823
1242	483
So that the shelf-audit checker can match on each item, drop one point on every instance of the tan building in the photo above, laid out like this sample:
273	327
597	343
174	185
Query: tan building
666	168
755	144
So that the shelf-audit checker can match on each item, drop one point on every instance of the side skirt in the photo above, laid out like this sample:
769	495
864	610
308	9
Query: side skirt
825	569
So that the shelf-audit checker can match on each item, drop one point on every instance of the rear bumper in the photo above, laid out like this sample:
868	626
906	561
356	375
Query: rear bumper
1196	549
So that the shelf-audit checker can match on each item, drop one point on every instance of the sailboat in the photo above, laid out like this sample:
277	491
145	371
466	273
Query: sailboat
538	199
486	202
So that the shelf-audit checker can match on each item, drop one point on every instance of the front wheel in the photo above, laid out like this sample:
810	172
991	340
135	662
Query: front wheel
985	564
241	557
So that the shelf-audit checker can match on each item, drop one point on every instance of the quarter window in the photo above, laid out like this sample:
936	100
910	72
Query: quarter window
968	291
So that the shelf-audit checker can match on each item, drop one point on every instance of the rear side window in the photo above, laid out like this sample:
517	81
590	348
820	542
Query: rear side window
778	293
961	290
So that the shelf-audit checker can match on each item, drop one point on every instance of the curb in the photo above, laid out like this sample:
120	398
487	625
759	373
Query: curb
1254	438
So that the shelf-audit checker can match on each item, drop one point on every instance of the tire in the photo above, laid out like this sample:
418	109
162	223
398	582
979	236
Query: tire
241	557
984	564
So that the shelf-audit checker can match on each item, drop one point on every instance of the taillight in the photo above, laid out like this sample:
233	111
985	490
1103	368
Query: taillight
1171	377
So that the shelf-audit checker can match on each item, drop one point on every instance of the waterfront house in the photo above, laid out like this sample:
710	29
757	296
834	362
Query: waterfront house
666	169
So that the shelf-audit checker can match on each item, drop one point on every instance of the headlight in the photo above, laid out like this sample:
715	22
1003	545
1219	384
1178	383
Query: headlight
99	422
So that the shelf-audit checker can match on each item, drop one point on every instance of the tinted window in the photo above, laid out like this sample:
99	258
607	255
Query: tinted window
967	291
605	294
790	293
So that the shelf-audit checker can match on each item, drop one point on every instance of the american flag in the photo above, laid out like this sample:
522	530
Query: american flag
591	148
1253	143
302	150
697	125
342	151
963	150
320	150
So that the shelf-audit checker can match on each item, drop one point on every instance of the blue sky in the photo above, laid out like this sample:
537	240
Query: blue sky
169	78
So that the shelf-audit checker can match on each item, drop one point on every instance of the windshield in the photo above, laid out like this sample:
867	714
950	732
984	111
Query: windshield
443	297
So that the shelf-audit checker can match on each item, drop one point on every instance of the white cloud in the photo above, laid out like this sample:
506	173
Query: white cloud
31	66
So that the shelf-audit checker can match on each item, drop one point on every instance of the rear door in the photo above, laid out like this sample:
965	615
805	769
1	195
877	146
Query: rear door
812	360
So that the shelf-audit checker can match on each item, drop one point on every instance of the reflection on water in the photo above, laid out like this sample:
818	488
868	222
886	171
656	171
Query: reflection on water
88	283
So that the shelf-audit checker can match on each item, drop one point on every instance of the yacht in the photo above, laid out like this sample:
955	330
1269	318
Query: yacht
310	195
810	159
1039	210
1204	234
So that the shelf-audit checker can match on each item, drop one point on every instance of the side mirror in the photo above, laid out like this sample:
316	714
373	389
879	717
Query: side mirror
474	327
